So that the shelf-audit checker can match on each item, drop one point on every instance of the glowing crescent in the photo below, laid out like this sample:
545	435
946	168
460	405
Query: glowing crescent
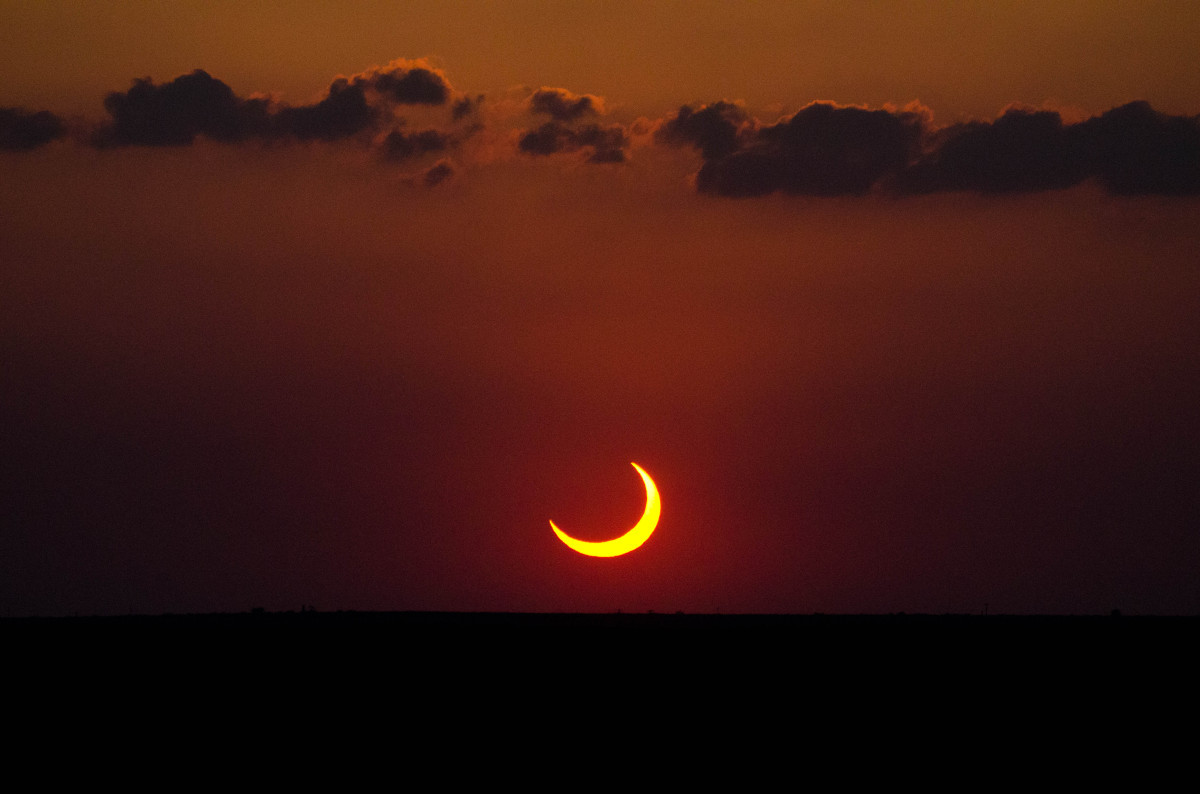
630	540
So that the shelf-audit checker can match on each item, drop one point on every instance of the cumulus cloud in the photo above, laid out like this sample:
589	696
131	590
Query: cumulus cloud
439	172
343	112
822	150
830	150
465	106
22	130
400	145
1021	151
407	83
561	105
176	112
1134	149
567	132
605	144
711	128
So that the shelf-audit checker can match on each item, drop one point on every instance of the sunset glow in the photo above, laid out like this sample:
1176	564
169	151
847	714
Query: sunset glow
900	302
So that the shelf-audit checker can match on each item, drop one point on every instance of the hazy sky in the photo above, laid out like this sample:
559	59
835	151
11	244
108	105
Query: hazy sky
649	57
347	317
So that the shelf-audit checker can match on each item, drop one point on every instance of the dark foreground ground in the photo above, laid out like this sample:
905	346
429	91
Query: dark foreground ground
925	646
606	619
882	696
896	626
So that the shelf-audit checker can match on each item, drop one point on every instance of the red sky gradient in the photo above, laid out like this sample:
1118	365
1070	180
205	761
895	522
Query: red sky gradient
290	367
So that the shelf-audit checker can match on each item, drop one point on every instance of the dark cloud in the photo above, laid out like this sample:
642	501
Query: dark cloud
399	145
606	143
465	107
21	130
831	150
823	150
438	173
712	128
1134	149
1021	151
407	85
549	138
174	113
561	105
342	113
607	155
563	133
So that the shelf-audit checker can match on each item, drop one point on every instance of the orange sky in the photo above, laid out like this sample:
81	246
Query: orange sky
283	370
647	57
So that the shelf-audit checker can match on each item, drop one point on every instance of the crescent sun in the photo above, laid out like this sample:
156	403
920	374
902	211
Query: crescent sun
630	540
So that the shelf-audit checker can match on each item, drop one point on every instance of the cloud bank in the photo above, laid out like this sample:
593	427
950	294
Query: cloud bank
561	105
197	104
399	145
831	150
604	144
566	131
21	130
824	149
